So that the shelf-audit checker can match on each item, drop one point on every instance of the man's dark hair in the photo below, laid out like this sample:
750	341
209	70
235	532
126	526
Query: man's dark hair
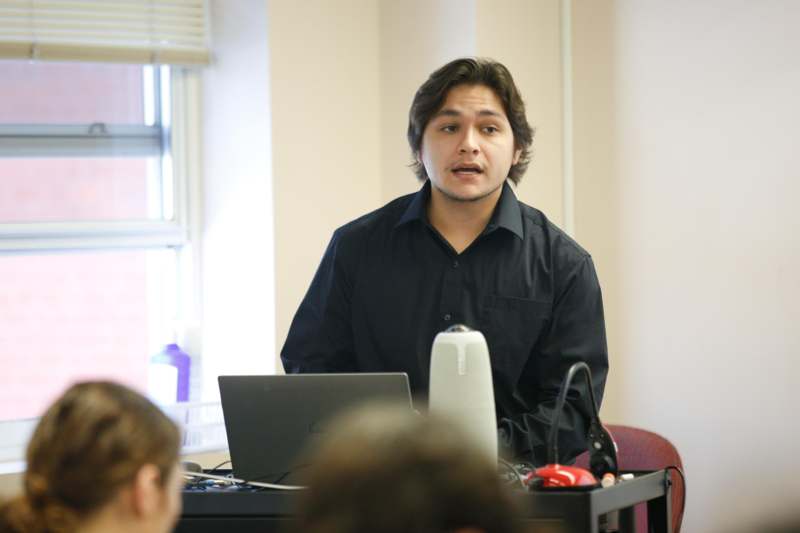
470	71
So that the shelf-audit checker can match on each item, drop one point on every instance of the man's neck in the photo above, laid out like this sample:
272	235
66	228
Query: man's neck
460	222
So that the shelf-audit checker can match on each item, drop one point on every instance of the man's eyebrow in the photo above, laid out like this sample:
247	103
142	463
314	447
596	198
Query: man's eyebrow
453	113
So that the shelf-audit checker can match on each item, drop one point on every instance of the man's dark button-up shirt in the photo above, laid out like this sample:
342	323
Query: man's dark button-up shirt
389	282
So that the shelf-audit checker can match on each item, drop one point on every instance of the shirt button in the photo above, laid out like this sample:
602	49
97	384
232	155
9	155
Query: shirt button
455	263
447	317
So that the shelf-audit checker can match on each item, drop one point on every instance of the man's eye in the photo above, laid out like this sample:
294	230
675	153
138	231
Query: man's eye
449	128
490	129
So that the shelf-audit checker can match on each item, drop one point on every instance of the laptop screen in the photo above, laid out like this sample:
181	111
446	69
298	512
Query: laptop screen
271	420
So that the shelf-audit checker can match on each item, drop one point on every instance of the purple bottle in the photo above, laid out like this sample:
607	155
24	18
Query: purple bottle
172	355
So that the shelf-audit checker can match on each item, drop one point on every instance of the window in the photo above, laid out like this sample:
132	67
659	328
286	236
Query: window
94	248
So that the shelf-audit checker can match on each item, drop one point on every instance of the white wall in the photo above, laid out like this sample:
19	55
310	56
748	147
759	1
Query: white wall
415	38
687	179
326	137
596	178
525	36
237	250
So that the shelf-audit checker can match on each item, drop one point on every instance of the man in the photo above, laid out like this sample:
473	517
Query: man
463	250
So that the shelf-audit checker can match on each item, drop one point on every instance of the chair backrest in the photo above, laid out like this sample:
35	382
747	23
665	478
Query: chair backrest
639	449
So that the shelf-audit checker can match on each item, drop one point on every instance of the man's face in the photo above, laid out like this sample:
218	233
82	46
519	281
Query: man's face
468	146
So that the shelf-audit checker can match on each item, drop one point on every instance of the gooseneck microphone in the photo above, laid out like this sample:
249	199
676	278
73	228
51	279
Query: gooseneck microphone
602	449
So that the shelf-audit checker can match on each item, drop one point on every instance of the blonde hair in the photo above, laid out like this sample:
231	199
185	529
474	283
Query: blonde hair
91	442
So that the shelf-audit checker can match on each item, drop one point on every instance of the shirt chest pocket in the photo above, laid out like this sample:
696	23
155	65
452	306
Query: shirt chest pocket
512	329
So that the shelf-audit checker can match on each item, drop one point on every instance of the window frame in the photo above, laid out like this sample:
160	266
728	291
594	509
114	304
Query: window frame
176	136
181	233
181	137
97	139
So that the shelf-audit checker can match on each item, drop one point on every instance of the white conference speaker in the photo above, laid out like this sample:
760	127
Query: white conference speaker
461	385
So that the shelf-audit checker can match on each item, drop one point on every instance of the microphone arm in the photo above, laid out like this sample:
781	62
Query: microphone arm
602	449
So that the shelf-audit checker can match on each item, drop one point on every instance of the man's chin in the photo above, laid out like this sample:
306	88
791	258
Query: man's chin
466	196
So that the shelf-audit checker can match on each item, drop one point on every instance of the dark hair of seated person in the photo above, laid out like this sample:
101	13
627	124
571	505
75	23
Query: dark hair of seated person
102	457
386	469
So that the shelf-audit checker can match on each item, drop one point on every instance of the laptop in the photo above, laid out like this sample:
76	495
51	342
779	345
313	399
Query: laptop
272	420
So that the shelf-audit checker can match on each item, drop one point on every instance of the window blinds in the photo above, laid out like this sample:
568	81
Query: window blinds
120	31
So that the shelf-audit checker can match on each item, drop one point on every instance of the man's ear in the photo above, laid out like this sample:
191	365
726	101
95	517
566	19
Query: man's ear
517	154
146	490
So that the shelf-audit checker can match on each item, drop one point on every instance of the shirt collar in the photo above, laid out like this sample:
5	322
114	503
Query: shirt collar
416	209
506	214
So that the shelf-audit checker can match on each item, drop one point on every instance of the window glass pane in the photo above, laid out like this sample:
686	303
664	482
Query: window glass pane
71	316
72	93
80	189
83	142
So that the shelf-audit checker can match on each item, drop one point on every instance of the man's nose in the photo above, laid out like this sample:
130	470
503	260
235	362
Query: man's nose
469	142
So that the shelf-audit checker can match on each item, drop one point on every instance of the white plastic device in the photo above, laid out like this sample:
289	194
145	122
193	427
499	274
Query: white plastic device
460	387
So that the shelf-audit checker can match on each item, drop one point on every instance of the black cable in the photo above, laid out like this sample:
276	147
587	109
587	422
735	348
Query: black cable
517	474
200	482
683	495
223	463
277	480
280	478
552	439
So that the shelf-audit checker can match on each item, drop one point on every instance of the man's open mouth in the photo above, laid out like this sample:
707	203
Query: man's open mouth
467	169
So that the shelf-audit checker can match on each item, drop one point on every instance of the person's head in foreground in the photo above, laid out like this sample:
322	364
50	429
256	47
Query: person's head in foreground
385	469
102	458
